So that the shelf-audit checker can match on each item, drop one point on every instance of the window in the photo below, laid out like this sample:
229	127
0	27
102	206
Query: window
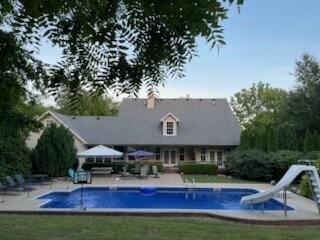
181	154
220	158
170	130
158	154
202	154
99	160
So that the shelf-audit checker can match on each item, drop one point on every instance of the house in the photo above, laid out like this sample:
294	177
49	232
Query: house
178	130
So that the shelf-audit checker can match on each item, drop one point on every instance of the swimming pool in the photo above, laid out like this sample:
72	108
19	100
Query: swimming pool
156	198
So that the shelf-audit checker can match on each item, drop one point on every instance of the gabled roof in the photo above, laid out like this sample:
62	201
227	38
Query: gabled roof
169	115
201	122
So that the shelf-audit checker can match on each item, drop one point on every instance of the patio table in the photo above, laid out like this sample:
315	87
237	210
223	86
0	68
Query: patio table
40	177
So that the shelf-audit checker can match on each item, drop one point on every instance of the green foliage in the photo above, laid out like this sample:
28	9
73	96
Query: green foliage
201	169
272	140
14	156
308	144
302	106
251	165
258	106
111	44
260	140
286	137
88	104
245	140
282	160
316	141
55	152
118	165
304	187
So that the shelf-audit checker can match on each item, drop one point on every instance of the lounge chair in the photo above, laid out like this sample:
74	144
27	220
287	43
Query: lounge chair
155	171
22	182
13	186
143	172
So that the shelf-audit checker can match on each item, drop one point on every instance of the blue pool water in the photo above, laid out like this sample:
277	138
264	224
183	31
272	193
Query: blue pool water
165	198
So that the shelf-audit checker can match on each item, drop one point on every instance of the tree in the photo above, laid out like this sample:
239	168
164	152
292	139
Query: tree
111	44
300	144
260	140
302	108
55	152
258	105
316	141
88	104
272	141
244	141
286	137
308	144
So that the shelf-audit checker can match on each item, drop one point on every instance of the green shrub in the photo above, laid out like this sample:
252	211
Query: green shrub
201	169
118	165
314	155
252	165
282	160
14	156
55	152
304	188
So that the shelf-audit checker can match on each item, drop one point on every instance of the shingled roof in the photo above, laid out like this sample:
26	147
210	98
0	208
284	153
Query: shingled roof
201	122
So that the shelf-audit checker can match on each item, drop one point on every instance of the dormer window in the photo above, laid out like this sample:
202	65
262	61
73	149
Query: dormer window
169	125
170	129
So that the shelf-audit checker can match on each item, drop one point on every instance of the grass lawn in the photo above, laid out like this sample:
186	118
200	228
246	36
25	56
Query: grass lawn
39	227
214	179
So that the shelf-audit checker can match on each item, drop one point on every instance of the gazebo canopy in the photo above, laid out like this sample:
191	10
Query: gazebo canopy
100	151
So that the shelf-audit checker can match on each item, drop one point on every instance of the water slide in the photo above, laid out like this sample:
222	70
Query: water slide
293	172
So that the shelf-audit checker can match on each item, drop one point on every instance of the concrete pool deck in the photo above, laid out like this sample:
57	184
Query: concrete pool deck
305	209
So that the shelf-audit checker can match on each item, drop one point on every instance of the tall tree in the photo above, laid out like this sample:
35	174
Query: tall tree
302	108
308	144
272	140
245	141
316	141
111	44
261	140
258	105
55	151
88	103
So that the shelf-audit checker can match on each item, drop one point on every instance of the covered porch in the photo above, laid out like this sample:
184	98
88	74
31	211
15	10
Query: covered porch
170	156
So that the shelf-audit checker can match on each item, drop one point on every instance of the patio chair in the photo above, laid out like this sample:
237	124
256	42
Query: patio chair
22	182
125	172
13	186
136	169
155	171
143	172
3	188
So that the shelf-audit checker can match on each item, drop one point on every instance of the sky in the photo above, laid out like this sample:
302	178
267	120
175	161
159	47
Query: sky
263	42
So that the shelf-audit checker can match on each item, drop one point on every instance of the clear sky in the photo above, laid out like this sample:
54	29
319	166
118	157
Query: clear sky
263	42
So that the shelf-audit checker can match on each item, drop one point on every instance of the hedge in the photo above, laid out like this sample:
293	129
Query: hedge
201	169
118	165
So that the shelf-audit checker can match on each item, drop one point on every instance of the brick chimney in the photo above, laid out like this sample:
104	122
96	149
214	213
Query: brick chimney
151	100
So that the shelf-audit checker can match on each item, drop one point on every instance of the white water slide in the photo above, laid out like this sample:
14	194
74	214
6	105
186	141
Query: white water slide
293	172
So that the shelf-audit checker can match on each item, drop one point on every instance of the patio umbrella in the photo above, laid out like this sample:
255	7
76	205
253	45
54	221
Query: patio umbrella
141	153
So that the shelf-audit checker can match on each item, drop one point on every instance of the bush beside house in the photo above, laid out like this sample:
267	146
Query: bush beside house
55	152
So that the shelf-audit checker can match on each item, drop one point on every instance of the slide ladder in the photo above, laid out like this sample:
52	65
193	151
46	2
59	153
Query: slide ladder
293	172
